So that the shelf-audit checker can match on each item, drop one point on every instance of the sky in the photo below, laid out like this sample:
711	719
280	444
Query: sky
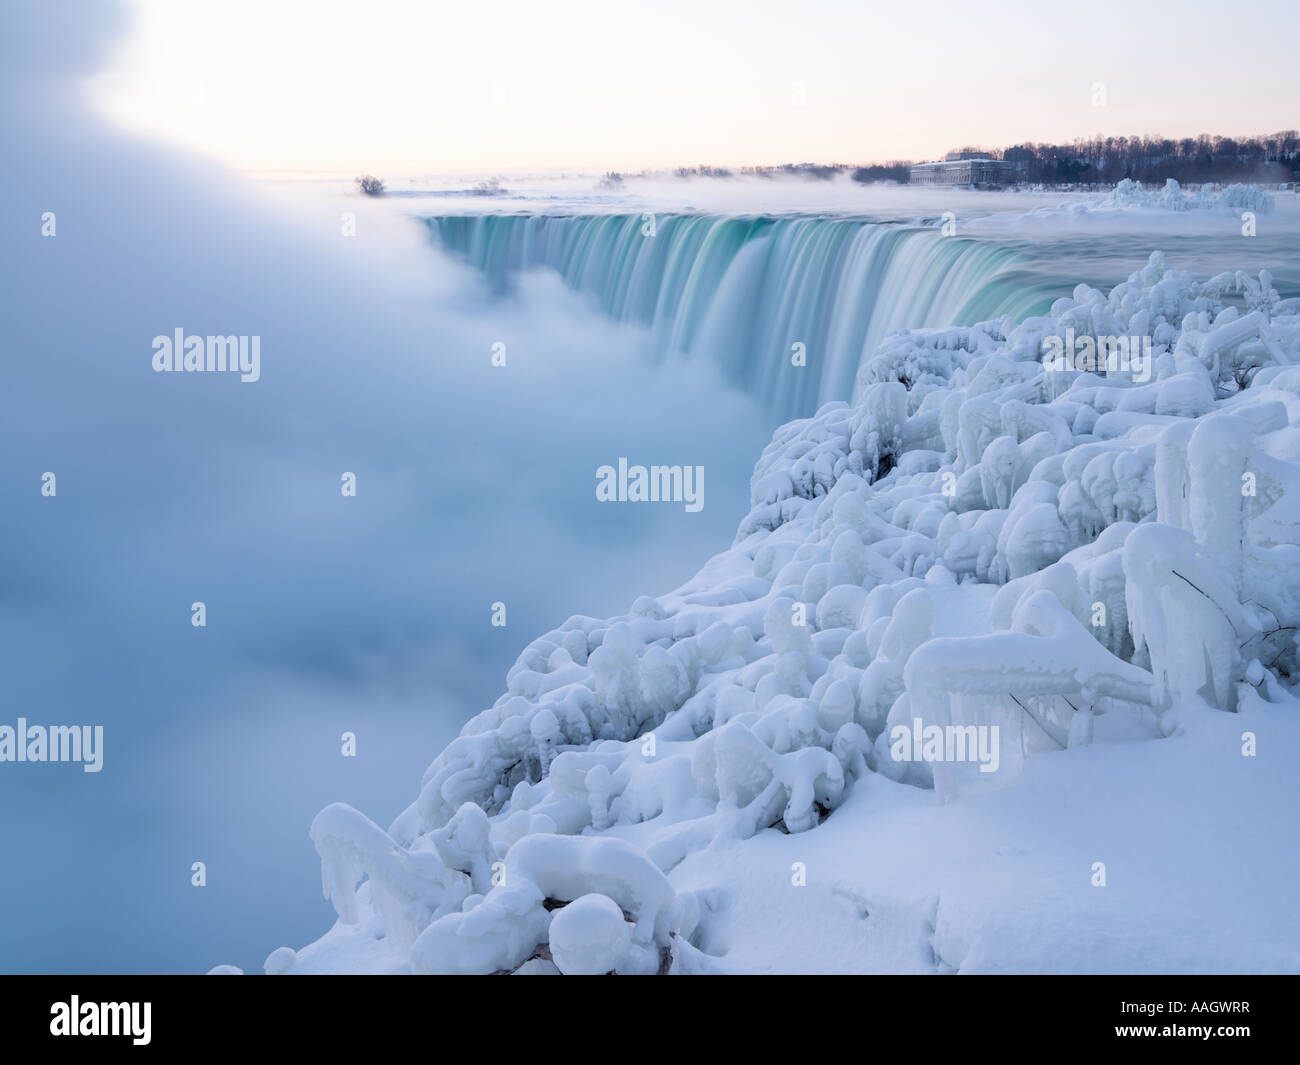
516	85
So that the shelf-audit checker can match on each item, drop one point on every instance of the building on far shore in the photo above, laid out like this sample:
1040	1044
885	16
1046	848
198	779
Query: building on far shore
974	169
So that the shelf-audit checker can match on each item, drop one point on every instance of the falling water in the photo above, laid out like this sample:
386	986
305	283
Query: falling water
746	291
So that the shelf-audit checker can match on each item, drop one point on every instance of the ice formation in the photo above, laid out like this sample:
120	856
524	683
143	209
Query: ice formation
1173	197
974	540
1130	196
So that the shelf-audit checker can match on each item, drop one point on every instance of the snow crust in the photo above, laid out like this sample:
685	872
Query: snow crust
1130	196
1102	565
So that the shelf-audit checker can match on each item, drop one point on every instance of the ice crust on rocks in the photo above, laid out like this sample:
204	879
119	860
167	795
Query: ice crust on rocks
1130	197
1172	197
975	539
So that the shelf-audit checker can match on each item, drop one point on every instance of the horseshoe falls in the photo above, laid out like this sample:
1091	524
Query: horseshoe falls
747	291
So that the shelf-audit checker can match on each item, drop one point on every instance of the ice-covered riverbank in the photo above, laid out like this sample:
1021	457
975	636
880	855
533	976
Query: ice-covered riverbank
1096	576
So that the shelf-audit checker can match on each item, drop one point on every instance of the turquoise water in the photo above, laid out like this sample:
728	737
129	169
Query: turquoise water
744	291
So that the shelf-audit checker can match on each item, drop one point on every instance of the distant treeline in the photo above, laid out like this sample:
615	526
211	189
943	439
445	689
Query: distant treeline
1191	160
895	171
821	171
1094	160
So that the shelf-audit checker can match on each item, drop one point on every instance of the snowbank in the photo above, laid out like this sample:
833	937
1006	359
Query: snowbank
1131	197
1172	197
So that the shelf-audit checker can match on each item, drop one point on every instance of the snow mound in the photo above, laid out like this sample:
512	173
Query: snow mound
1026	558
1131	196
589	937
1172	197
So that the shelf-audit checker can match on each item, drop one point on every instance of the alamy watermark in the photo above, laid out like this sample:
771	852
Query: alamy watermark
79	1018
53	743
195	354
653	484
946	743
1088	354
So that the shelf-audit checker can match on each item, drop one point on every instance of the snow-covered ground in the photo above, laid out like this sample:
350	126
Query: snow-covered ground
1134	205
1086	577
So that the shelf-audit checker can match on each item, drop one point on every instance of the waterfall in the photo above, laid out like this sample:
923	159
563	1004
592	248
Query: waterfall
745	291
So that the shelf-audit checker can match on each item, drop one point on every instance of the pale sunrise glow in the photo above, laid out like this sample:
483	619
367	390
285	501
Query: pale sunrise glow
513	85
